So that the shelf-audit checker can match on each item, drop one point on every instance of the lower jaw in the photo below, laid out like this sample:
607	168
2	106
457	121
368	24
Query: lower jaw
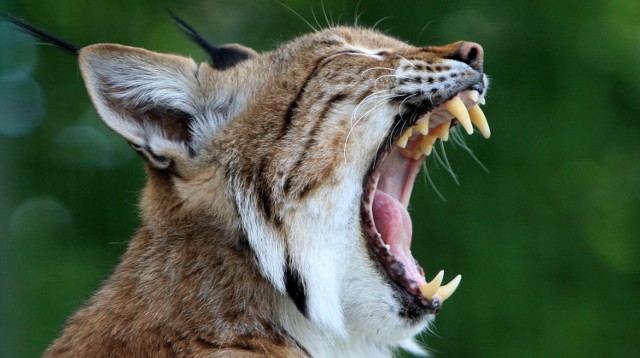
414	306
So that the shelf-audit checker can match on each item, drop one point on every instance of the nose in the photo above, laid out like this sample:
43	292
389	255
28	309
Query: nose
472	54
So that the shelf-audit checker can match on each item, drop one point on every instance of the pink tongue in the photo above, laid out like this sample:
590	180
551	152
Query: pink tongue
394	224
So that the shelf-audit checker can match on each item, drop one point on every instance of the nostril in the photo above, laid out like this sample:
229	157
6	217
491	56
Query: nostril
472	54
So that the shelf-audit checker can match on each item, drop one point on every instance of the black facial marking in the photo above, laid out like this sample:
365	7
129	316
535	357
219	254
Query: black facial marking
311	139
295	288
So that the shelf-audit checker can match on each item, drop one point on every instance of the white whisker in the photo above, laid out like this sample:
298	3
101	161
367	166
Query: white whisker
377	68
375	25
404	59
316	19
300	16
330	24
356	14
430	182
441	158
366	99
458	139
383	101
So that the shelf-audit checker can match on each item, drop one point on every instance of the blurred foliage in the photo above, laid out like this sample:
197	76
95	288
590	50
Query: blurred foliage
547	240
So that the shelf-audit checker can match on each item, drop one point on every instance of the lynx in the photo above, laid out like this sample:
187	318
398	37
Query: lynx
274	220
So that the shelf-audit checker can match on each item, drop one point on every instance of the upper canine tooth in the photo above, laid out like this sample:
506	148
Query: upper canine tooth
459	110
428	290
478	118
447	290
402	142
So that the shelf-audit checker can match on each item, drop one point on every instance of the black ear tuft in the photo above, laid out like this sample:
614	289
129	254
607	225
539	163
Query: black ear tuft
222	57
41	34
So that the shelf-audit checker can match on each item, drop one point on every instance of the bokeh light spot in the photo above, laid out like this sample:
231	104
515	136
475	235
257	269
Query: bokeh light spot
21	103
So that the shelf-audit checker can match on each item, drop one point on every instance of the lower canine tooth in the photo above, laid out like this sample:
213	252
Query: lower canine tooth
474	96
447	290
428	290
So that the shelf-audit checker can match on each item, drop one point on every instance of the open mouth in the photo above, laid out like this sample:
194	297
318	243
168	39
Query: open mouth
387	190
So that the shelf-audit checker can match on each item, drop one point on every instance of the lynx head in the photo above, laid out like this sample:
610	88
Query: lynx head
308	154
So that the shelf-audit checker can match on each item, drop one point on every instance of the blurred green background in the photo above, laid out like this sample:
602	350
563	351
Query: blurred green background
547	240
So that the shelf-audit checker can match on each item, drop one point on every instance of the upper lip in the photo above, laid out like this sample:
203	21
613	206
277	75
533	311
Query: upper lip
390	180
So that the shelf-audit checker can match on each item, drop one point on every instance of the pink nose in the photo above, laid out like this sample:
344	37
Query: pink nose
472	54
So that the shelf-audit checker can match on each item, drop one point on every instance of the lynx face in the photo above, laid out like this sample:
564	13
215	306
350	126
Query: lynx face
308	154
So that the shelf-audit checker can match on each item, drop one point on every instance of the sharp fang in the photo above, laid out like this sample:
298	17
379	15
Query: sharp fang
402	142
482	101
478	118
423	127
428	290
474	96
447	290
459	110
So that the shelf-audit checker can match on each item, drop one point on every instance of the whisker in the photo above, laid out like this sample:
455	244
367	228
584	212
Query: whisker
404	59
458	139
330	24
430	182
356	14
422	31
353	125
366	99
377	68
298	15
316	19
375	83
375	25
441	158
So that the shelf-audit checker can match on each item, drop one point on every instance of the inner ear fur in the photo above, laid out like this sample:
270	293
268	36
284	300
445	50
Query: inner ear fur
150	99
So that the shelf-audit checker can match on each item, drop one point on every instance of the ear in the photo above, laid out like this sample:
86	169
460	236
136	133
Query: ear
229	55
155	101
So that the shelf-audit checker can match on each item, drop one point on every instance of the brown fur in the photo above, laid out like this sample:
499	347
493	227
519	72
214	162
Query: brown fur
184	288
189	284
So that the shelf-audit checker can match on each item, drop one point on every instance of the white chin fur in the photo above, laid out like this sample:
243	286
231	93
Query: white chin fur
351	308
352	311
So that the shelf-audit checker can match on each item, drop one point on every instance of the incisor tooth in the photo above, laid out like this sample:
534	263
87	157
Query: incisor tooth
478	118
426	144
402	142
442	131
474	96
430	289
459	110
423	127
447	290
